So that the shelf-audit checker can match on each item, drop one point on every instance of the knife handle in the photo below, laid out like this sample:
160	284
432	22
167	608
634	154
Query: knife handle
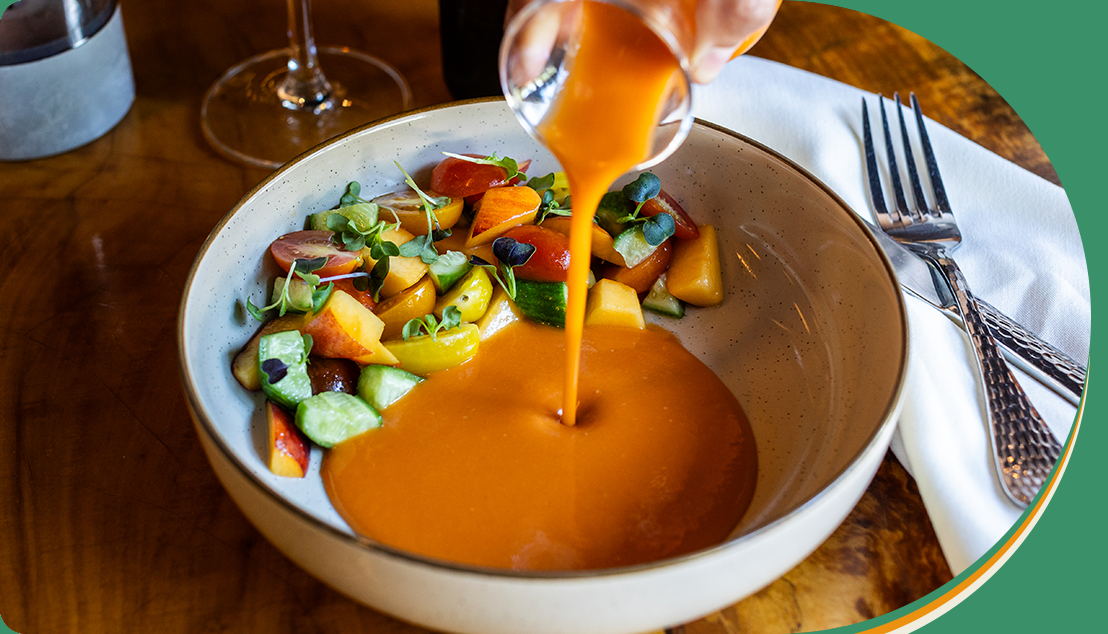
1025	450
1034	353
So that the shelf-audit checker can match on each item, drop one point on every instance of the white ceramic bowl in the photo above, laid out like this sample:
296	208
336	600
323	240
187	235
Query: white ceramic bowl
812	339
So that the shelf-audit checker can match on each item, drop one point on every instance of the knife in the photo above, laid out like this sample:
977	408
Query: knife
1021	347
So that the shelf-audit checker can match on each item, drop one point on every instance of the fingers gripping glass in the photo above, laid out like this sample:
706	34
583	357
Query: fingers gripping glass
537	55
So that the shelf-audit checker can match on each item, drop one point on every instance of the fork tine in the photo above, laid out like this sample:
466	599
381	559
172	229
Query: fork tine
941	201
910	161
894	171
871	171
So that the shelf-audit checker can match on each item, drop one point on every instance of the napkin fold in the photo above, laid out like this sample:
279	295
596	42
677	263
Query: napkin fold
1021	252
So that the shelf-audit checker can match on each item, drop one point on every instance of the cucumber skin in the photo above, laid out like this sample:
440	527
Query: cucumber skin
543	302
383	385
444	276
661	301
314	414
632	245
287	346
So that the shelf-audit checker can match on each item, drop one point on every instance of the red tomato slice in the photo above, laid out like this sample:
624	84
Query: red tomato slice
550	261
664	203
459	178
306	245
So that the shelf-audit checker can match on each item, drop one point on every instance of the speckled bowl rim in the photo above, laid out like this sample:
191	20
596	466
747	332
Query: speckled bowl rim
208	428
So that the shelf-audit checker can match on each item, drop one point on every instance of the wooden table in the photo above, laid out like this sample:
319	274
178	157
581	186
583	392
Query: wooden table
113	520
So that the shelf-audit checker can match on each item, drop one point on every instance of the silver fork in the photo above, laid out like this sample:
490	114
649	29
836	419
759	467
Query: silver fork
1025	450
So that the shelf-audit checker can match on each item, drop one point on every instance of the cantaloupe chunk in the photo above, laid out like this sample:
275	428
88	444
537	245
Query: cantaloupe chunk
695	274
611	303
500	209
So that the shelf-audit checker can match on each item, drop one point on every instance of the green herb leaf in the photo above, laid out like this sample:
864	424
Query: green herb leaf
412	328
643	188
541	183
254	311
352	195
377	277
451	317
657	228
321	295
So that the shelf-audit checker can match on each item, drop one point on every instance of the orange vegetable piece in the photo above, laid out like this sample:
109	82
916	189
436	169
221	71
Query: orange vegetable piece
499	210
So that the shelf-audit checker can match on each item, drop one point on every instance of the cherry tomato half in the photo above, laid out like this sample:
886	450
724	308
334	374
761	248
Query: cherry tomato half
550	262
459	178
306	245
664	203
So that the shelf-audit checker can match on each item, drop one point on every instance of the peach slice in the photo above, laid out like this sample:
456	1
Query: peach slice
288	450
343	328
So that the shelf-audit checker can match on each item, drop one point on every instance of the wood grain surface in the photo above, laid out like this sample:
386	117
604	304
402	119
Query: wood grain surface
112	519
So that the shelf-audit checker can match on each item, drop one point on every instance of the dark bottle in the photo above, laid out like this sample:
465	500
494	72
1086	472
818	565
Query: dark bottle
470	31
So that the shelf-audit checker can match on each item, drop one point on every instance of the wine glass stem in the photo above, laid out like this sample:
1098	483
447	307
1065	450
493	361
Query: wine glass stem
304	86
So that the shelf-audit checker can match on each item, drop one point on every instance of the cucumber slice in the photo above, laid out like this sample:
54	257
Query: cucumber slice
300	294
329	418
661	301
449	268
632	245
613	206
283	368
363	215
383	385
543	302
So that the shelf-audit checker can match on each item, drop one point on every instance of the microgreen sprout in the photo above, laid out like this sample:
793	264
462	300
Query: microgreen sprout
451	318
655	228
283	303
424	245
508	163
543	186
510	254
352	195
353	237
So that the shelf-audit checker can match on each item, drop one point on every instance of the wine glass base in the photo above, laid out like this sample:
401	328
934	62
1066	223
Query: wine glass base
244	118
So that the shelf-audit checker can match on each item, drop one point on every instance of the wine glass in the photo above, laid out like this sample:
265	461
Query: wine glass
274	106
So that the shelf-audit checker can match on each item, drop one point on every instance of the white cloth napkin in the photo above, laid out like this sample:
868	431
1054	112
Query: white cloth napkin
1021	252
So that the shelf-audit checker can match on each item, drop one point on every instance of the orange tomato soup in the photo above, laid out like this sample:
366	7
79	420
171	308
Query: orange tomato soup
473	465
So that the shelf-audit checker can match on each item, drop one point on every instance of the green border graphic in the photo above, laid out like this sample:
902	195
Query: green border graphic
1037	56
1046	61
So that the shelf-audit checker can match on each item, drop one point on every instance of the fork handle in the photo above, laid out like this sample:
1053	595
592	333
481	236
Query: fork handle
1032	350
1025	450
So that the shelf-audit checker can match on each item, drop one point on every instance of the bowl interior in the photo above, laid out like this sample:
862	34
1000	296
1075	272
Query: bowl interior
811	337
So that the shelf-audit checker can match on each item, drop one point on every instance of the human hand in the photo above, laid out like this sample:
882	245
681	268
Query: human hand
724	29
